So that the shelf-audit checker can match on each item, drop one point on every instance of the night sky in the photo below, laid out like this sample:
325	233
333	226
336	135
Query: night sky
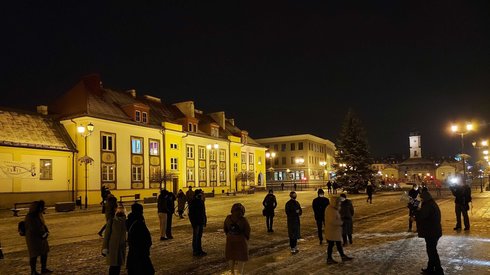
277	67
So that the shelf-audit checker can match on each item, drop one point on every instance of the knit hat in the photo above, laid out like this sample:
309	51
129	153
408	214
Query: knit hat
292	194
320	191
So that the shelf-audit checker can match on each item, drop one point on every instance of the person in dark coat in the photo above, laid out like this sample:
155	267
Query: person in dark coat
428	219
346	213
293	212
162	207
181	200
139	243
269	203
329	187
335	186
190	195
37	237
412	205
369	192
462	198
114	245
170	213
197	217
109	205
319	205
237	230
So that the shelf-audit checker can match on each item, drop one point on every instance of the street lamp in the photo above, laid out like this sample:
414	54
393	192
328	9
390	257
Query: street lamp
457	130
271	156
85	132
483	145
215	166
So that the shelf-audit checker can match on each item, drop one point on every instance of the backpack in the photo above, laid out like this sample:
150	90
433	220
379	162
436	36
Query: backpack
21	227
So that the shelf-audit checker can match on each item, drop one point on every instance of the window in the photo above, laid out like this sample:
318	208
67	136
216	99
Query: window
222	175
108	142
292	160
276	161
202	152
108	172
235	167
154	147
222	155
283	160
251	158
283	147
46	169
212	154
173	146
276	147
293	146
189	127
300	146
190	151
154	173
145	117
244	157
214	132
190	174
173	164
136	172
235	155
136	145
202	174
137	116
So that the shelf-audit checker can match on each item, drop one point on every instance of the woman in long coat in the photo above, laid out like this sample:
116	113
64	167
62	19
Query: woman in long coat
293	211
139	243
333	230
114	246
237	230
37	237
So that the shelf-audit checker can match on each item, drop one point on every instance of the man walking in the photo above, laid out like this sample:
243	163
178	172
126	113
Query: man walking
462	198
319	204
269	204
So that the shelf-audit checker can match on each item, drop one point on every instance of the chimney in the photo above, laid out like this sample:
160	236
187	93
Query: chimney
231	121
42	109
132	93
219	117
186	107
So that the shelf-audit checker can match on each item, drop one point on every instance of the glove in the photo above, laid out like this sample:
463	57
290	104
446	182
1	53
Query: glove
45	235
105	251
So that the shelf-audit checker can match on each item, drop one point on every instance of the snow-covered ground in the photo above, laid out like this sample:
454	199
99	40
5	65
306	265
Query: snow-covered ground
381	243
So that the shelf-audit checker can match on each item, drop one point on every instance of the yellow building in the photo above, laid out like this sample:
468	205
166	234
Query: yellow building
306	160
36	159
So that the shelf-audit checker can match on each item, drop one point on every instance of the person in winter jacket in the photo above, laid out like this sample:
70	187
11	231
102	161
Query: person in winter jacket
346	212
162	206
109	206
412	205
333	230
170	213
269	203
369	192
139	243
197	217
114	245
319	205
237	230
428	219
293	212
37	237
462	198
181	200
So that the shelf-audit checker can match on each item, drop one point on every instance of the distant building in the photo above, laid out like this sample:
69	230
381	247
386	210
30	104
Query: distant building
302	159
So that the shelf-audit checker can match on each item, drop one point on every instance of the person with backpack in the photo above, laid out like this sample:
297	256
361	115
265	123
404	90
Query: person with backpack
36	234
269	203
237	230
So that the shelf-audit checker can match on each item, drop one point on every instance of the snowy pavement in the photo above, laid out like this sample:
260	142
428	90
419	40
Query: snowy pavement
381	243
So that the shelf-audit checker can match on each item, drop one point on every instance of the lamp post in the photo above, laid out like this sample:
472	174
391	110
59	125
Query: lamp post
456	129
215	166
85	132
271	156
484	146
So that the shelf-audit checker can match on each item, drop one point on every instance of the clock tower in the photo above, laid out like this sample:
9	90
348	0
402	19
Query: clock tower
415	145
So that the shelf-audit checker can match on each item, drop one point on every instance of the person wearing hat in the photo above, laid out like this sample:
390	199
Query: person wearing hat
293	212
319	204
197	217
428	219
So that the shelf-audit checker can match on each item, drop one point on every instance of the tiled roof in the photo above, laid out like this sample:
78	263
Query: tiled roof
23	129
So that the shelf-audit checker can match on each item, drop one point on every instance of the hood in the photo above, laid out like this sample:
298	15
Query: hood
426	196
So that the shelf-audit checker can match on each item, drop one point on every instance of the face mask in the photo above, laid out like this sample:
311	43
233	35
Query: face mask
321	195
342	199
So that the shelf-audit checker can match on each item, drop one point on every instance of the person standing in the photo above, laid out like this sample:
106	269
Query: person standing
293	212
369	192
412	205
269	203
329	187
462	198
139	243
190	195
335	186
428	219
181	200
438	186
104	191
37	237
333	230
237	230
197	217
162	207
319	205
109	207
170	213
346	213
114	245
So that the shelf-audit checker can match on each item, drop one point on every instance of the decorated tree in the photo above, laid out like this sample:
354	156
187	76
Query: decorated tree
353	159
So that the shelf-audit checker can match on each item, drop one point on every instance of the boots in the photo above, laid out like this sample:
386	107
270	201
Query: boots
331	261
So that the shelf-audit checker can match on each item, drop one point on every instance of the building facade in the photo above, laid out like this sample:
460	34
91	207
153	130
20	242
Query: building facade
306	160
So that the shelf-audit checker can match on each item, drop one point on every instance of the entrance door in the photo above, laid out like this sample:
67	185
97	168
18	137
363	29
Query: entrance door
175	185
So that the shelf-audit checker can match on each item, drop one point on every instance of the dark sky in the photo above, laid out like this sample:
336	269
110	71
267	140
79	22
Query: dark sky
277	67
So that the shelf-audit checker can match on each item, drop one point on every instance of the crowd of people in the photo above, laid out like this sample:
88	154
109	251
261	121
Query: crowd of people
334	220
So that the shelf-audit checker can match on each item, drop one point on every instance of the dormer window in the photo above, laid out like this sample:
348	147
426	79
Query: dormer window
189	127
244	137
214	132
192	127
137	116
145	117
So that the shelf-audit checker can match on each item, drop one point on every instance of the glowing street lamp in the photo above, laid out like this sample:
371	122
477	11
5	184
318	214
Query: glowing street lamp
271	156
85	132
458	130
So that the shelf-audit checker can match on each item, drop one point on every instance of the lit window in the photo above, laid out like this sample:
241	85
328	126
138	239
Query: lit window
108	172
154	147
46	169
190	174
222	155
136	145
